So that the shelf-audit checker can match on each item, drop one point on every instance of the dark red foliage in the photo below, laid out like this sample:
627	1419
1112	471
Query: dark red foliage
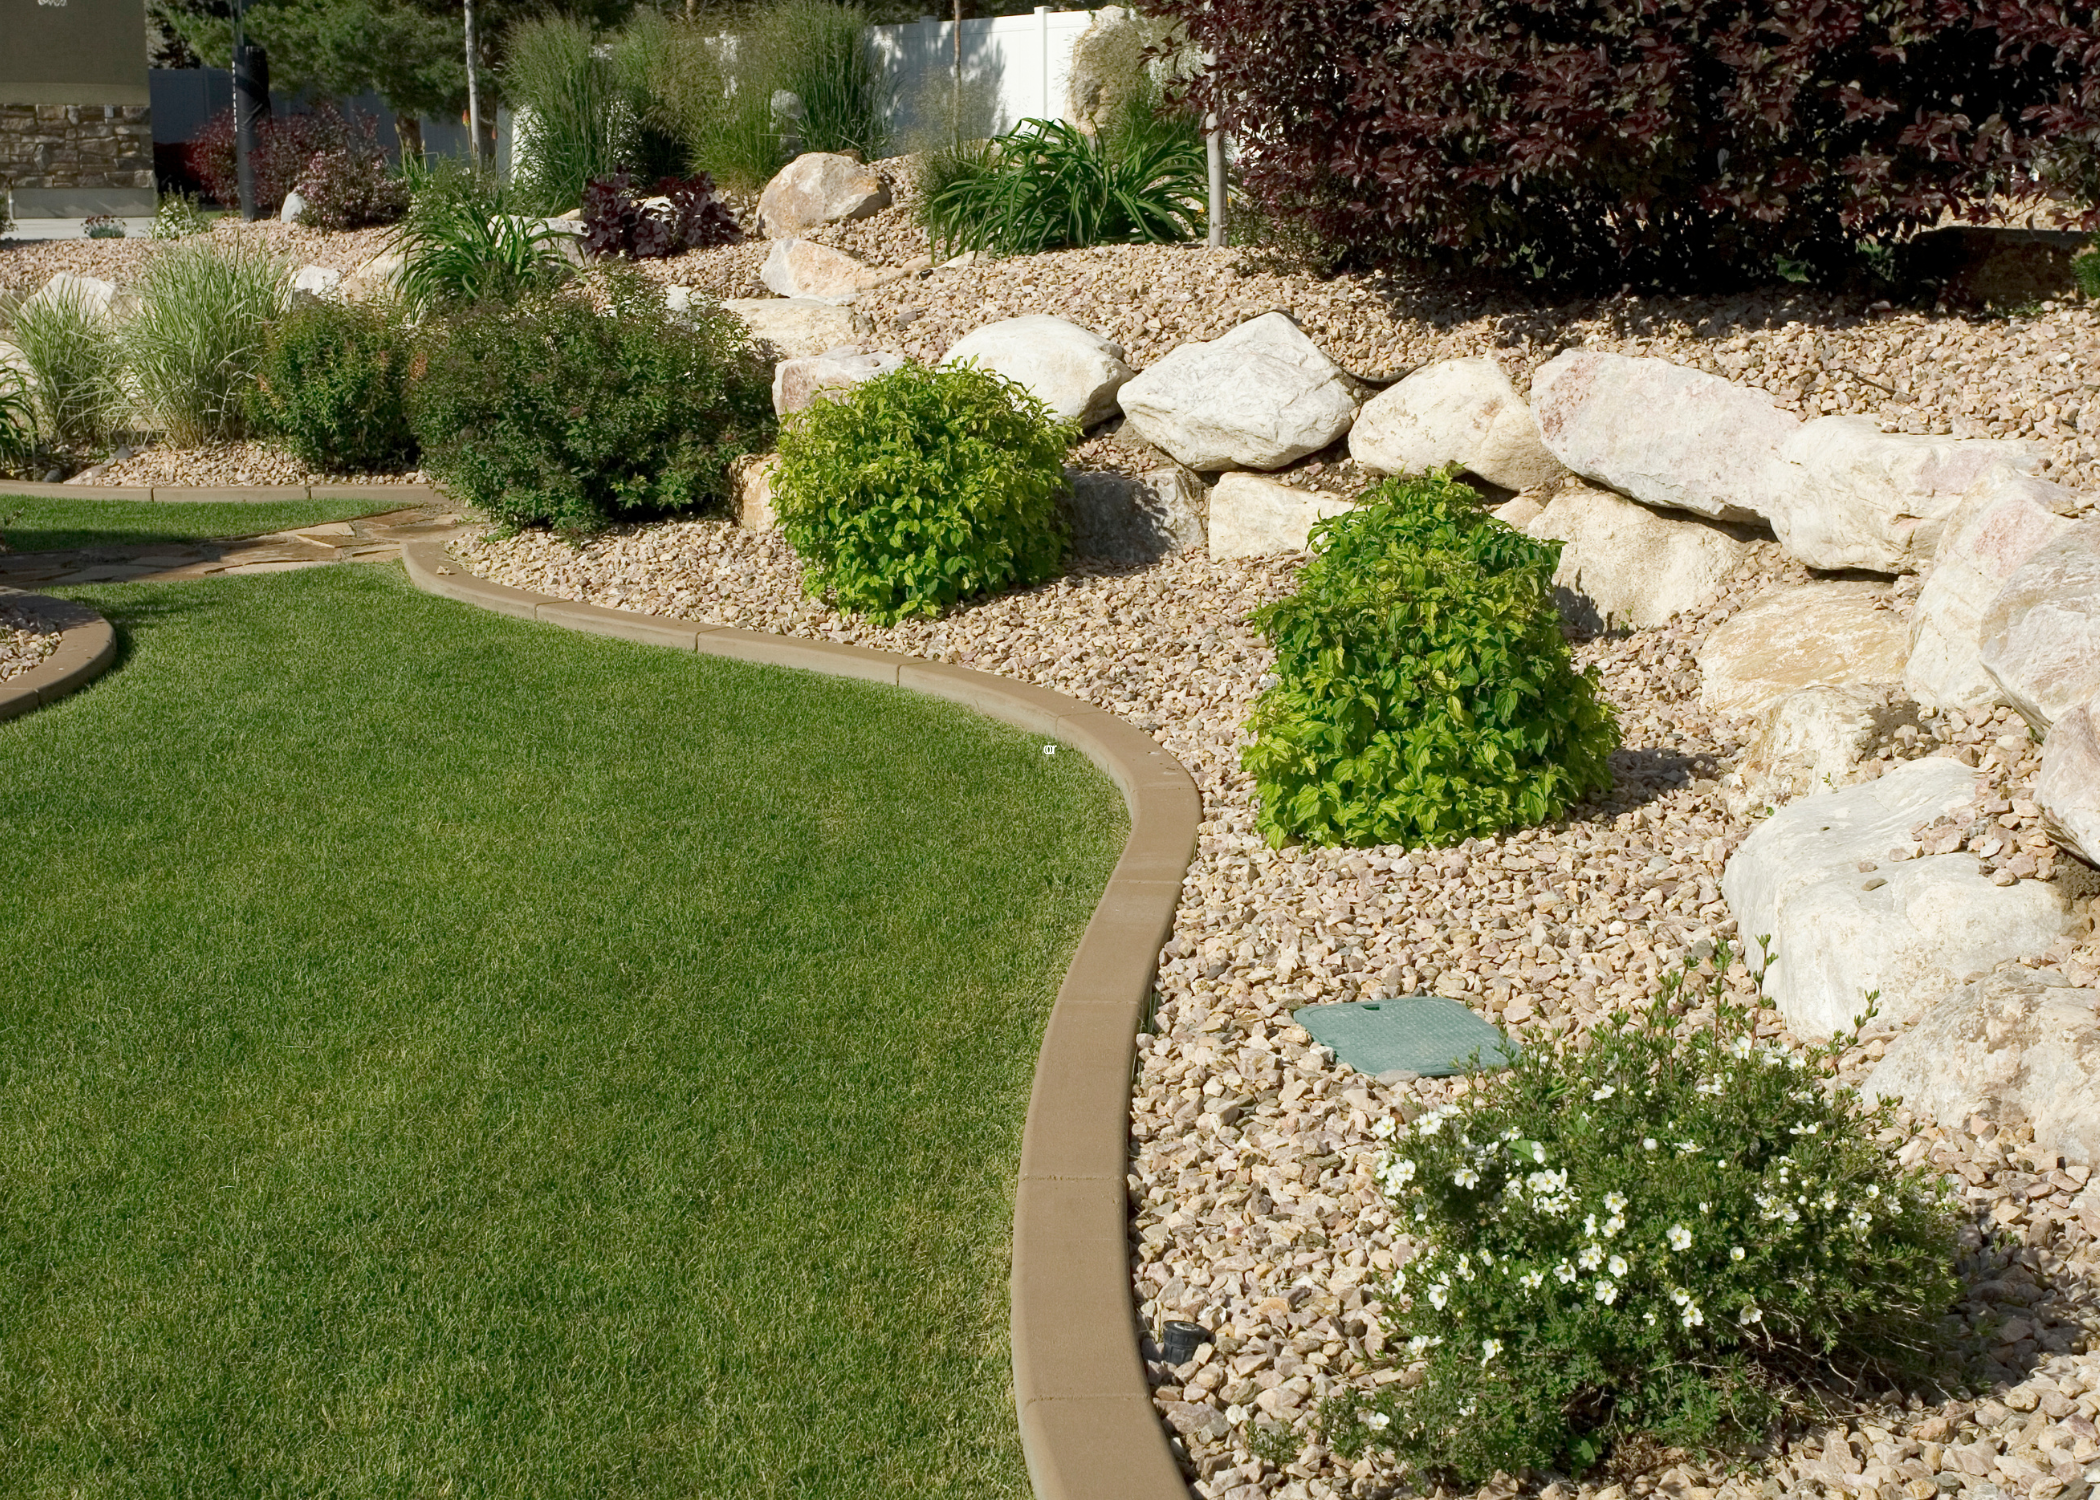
616	224
1650	141
350	186
284	145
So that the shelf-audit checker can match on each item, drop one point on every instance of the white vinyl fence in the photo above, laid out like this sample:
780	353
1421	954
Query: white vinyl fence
1013	68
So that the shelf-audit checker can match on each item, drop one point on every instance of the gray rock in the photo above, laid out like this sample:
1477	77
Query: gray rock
1260	397
1073	371
1815	740
1135	518
1462	411
2017	1046
1666	435
66	286
1800	637
1626	566
1997	526
2041	634
2068	787
795	326
317	283
819	188
798	382
294	205
1845	494
1909	931
803	268
1255	517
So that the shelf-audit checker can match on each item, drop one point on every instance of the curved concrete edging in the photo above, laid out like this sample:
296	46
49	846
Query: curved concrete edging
87	644
241	494
1088	1426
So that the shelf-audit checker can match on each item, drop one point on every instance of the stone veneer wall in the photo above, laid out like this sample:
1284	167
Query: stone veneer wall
76	146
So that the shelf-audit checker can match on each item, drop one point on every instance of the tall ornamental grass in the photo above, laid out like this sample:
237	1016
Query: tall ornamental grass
198	339
569	90
69	344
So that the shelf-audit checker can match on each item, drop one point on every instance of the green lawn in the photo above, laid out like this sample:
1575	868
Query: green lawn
39	525
447	1056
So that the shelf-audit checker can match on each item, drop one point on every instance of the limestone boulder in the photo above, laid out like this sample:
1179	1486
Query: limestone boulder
1909	931
1255	517
1073	371
803	268
2041	634
1135	518
1815	740
2018	1046
68	287
1805	636
819	187
379	276
1997	526
795	326
751	483
317	284
1845	494
293	206
798	382
1260	397
1462	411
1666	435
2068	787
1625	566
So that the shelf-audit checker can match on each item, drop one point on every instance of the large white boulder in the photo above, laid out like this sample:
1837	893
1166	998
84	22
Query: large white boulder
2068	787
1075	372
798	382
1462	411
1258	398
1134	518
1908	931
1625	566
796	326
1255	517
379	276
1800	637
317	284
1997	526
804	268
1845	494
2017	1046
819	187
1815	740
2041	634
1664	434
69	287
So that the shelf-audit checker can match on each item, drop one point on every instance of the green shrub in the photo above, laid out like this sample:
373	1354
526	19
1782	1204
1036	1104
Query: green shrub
69	342
197	340
1425	693
332	389
549	413
922	488
2086	267
1652	1233
461	243
177	217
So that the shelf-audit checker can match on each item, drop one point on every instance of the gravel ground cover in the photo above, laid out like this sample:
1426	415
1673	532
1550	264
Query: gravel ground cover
1255	1211
26	638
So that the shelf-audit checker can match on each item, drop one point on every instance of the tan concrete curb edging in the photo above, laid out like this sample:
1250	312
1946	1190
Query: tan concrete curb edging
87	644
1088	1426
245	494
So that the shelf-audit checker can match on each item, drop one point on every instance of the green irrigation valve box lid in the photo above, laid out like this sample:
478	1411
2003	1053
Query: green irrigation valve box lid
1424	1034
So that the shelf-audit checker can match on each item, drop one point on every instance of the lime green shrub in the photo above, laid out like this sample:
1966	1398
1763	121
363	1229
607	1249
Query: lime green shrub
922	488
1654	1232
551	412
1425	691
333	389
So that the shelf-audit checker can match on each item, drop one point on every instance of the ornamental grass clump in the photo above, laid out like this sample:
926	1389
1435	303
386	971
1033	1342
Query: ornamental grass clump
1425	692
1657	1233
922	488
69	348
197	340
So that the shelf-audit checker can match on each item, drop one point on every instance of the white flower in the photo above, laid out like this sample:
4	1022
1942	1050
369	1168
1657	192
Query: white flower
1702	1208
1486	1258
1564	1271
1680	1237
1383	1129
1680	1296
1736	1253
1615	1202
1616	1265
1589	1225
1532	1280
1741	1046
1403	1172
1466	1177
1686	1148
1592	1257
1648	1317
1613	1225
1693	1317
1606	1292
1649	1143
1538	1154
1489	1348
1751	1314
1378	1421
1419	1344
1604	1093
1801	1129
1439	1295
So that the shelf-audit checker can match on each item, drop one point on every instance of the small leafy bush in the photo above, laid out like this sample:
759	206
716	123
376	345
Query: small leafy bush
922	488
461	243
349	185
551	413
284	144
69	342
1653	1233
195	345
1425	693
1044	185
177	218
103	227
333	389
617	224
2086	267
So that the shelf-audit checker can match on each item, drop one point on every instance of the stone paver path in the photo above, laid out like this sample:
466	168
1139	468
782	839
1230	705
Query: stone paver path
367	539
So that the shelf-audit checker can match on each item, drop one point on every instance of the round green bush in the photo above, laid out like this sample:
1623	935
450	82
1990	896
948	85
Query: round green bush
922	488
1425	692
333	389
587	404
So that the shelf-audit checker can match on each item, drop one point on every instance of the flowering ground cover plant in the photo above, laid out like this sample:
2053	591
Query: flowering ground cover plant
1659	1233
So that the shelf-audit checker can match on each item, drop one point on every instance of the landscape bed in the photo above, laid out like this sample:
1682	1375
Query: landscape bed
602	1071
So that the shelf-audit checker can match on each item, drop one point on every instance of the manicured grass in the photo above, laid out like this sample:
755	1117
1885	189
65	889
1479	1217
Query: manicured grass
441	1055
39	525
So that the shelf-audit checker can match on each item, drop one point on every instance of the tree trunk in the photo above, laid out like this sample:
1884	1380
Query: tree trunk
473	92
409	131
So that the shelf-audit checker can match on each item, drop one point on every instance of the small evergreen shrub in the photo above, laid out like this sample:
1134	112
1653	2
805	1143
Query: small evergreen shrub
103	227
333	389
922	488
2086	267
1425	693
616	223
1653	1233
548	412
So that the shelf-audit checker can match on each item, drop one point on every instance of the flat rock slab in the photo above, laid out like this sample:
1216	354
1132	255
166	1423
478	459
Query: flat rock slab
1255	517
803	268
1424	1034
797	327
1801	637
